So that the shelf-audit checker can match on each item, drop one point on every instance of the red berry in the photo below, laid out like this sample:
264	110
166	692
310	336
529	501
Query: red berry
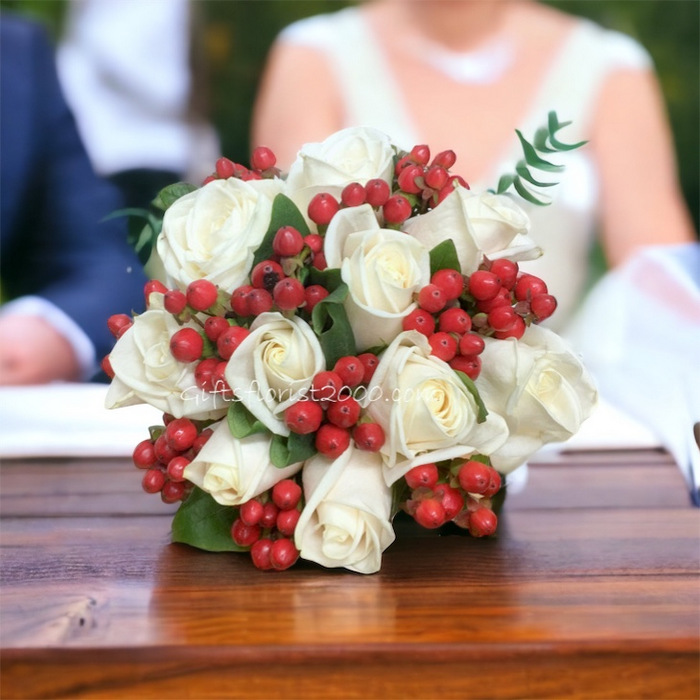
259	301
319	261
220	384
245	535
451	499
260	553
344	412
450	281
353	195
507	271
173	491
163	449
322	208
410	179
153	287
288	294
312	295
431	298
369	436
180	434
527	286
201	294
176	468
239	300
144	455
106	367
287	521
484	285
436	177
502	298
118	324
286	494
445	159
326	386
225	168
471	344
265	275
455	320
494	484
515	331
262	158
424	475
403	163
468	364
396	209
420	154
430	513
443	345
269	516
332	441
543	306
251	512
202	440
474	477
303	417
482	522
214	326
174	301
287	242
377	192
283	554
186	345
419	320
153	481
314	242
205	372
369	361
350	369
503	318
229	340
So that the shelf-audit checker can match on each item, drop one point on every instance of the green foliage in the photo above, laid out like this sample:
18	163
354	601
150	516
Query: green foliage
292	449
330	323
284	213
444	257
241	422
545	141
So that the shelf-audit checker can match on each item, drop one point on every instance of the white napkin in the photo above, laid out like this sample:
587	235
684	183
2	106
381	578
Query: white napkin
639	334
69	420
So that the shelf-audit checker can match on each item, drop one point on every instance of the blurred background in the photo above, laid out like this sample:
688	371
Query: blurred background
236	35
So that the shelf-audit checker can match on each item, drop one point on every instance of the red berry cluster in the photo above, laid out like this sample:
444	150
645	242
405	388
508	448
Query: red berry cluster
262	166
165	455
332	413
460	494
266	525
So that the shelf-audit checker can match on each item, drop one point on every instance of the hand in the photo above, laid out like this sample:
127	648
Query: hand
32	351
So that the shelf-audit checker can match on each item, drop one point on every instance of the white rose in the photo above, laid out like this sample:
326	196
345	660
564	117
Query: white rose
356	154
233	471
539	386
383	270
145	371
346	518
273	367
426	411
480	225
213	232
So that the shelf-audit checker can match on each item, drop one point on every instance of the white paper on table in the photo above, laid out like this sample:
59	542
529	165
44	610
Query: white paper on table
69	420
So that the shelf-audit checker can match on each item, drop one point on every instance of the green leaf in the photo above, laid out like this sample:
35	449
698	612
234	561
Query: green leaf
241	422
203	523
330	278
527	195
533	159
541	140
444	256
525	174
284	213
504	183
471	388
141	237
170	194
554	126
292	449
332	327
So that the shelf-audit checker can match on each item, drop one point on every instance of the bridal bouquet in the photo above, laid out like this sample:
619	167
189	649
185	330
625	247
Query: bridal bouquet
335	345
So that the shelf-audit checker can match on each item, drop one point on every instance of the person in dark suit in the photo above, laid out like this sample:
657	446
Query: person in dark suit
63	269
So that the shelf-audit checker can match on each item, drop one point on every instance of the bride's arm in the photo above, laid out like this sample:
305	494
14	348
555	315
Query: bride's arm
641	200
297	101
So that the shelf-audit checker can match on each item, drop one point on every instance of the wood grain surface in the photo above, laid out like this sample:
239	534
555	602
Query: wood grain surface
590	590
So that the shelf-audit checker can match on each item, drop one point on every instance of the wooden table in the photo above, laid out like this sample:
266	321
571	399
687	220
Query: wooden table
590	590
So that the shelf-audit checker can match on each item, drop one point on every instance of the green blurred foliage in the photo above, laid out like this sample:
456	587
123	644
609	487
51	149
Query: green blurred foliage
238	33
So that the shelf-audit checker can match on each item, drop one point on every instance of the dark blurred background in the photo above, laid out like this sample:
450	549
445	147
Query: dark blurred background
236	35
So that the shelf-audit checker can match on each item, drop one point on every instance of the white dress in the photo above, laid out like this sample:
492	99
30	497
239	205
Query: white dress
566	229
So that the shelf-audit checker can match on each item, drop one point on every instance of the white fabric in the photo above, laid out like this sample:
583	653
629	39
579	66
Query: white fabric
125	69
38	306
564	230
